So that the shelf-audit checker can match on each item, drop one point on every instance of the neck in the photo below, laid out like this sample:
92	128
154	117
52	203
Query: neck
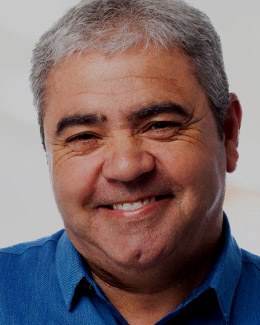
144	296
144	308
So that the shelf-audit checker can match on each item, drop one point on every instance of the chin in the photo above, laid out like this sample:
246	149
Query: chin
139	257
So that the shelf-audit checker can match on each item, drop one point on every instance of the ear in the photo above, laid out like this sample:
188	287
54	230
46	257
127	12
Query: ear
231	127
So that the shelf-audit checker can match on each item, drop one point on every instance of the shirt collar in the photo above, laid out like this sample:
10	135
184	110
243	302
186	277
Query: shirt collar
222	279
73	274
69	267
225	274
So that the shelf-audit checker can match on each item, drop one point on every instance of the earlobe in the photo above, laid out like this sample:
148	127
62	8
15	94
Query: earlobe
231	129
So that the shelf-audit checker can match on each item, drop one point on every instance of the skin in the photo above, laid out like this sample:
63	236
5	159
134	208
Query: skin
157	254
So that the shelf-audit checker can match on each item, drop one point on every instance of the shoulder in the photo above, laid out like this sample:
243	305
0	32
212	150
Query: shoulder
250	275
251	261
249	282
24	265
28	273
247	294
29	251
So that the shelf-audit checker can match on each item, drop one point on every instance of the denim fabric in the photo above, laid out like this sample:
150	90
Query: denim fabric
47	282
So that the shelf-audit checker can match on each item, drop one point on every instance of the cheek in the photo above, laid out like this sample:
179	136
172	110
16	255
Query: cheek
74	179
180	162
200	172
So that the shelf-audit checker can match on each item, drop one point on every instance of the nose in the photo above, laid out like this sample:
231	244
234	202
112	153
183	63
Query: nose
126	160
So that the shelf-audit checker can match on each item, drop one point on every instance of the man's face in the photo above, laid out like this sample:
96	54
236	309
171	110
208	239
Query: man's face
137	166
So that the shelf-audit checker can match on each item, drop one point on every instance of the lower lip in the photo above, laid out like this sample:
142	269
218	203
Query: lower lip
150	209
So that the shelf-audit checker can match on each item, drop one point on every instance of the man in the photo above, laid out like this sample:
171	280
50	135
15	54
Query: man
139	130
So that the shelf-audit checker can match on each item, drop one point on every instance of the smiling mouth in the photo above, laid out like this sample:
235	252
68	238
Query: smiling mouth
127	206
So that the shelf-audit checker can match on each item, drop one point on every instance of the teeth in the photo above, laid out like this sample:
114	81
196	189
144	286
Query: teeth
134	205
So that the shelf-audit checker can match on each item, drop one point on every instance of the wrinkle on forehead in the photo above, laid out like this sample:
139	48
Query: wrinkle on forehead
121	83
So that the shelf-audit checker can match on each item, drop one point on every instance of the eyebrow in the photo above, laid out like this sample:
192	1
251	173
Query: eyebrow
79	119
142	114
157	109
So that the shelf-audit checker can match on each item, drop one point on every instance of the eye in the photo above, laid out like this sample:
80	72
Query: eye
84	141
162	130
82	137
163	125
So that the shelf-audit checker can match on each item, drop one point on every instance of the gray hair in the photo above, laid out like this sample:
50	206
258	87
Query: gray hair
113	26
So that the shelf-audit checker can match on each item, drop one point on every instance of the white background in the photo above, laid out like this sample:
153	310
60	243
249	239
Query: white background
27	209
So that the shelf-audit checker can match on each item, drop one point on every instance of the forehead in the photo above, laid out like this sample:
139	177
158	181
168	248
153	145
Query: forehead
122	81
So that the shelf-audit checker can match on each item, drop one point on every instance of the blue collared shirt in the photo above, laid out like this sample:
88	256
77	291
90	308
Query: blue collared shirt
47	282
